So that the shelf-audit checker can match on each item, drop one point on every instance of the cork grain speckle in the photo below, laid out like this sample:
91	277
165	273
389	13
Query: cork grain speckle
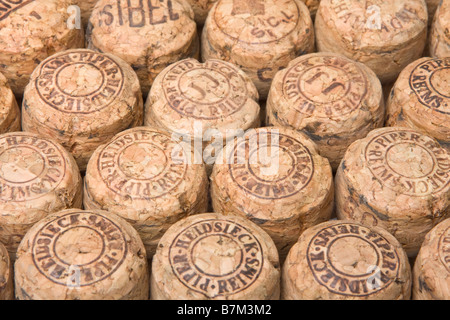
6	275
439	39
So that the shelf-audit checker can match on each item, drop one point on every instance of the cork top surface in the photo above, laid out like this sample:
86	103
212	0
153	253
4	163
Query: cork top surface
444	16
7	99
435	251
5	267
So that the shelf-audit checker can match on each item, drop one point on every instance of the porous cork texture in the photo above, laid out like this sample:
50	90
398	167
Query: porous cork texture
420	99
215	257
82	99
440	32
344	260
275	178
260	36
331	98
86	7
30	31
397	179
6	276
81	255
9	109
149	36
386	36
312	5
201	9
147	178
193	100
37	177
431	273
432	6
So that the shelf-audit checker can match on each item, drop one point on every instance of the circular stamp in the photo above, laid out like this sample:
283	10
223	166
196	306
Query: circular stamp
325	86
408	161
79	249
351	260
429	82
256	21
444	248
271	165
143	164
80	82
216	257
30	167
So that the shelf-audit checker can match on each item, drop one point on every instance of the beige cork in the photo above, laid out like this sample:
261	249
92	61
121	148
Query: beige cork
147	178
6	275
344	260
30	31
432	6
37	177
386	36
397	179
260	36
313	6
81	255
431	273
86	7
274	177
201	9
215	257
9	109
150	35
420	99
331	98
82	99
439	42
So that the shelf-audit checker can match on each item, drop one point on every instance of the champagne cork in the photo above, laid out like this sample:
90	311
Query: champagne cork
6	275
331	98
440	34
82	99
385	35
420	99
147	178
201	9
432	6
260	36
344	260
397	179
215	257
9	110
149	35
312	5
86	7
81	255
30	31
431	273
275	178
38	177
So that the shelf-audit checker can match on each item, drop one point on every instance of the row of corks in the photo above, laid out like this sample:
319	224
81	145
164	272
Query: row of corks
83	109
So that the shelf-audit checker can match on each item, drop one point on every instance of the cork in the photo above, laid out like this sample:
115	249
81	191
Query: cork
345	260
397	179
149	35
147	178
194	100
215	257
86	7
275	178
38	29
260	36
38	177
420	99
81	255
431	273
201	9
82	99
313	6
9	109
432	6
6	275
333	99
439	42
386	36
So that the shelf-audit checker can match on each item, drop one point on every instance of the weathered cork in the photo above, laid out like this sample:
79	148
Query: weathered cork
432	6
81	255
333	99
344	260
397	179
9	109
37	177
431	273
260	36
440	32
82	99
147	178
274	177
312	5
201	9
386	36
215	257
30	31
420	99
6	275
86	7
149	36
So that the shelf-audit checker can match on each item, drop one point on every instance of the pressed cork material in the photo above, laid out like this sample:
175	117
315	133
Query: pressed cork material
86	7
312	5
440	32
9	110
201	9
6	275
